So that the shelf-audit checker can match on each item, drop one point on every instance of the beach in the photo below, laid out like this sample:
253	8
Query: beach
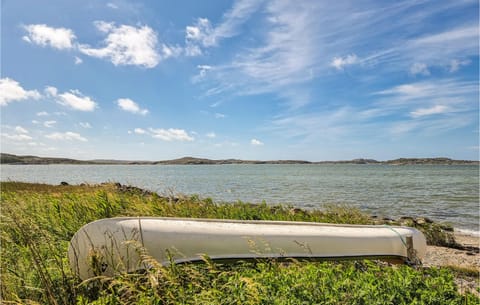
467	259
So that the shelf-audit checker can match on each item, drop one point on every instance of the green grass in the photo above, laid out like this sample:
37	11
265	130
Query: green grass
38	221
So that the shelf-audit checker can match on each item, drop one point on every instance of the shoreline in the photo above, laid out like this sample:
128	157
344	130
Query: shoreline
466	233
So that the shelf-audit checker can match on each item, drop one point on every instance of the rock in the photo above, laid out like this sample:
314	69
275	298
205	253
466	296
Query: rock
422	220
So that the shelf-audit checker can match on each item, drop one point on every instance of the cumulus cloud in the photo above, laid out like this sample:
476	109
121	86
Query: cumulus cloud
139	131
340	62
211	135
127	45
419	68
66	136
130	106
76	100
78	60
11	91
171	134
51	91
43	35
20	129
256	142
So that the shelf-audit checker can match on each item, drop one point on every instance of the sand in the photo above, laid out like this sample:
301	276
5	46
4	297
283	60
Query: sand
468	258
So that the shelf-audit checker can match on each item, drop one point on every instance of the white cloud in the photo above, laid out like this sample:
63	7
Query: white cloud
449	90
49	124
66	136
20	129
202	72
43	35
433	106
51	91
127	45
220	115
139	131
85	125
16	137
192	50
11	91
199	34
112	5
211	135
419	68
256	142
42	113
455	64
77	101
36	144
340	62
299	41
438	49
130	106
459	34
283	53
78	60
203	35
437	109
168	51
171	134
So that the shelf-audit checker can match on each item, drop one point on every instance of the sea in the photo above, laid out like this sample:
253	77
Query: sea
443	193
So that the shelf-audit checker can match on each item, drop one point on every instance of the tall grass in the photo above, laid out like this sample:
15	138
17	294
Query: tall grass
38	221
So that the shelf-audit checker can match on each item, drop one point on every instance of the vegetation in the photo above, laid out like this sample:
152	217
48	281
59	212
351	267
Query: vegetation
38	221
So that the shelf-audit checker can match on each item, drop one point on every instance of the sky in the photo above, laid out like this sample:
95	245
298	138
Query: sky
247	79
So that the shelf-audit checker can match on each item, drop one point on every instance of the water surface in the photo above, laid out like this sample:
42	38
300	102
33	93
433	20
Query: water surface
443	193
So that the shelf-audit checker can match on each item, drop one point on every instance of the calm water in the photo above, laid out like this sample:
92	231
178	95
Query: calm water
443	193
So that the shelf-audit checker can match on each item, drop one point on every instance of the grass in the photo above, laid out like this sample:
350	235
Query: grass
38	221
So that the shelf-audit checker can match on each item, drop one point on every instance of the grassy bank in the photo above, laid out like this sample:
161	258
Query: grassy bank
38	221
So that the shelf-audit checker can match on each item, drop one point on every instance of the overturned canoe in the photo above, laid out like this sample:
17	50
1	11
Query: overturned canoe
112	245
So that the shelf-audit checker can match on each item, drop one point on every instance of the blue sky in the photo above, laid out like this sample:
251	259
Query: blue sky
248	79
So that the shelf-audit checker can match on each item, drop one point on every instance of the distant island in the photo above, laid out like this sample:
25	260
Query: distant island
15	159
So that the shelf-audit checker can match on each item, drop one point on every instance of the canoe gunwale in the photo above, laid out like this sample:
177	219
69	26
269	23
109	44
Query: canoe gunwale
394	259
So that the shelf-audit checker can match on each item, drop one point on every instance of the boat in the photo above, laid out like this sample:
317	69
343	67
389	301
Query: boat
109	246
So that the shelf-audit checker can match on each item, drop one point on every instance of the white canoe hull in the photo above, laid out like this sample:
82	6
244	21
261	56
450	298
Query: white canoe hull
114	245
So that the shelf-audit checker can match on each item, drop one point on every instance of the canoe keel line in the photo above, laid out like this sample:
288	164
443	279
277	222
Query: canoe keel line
113	245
